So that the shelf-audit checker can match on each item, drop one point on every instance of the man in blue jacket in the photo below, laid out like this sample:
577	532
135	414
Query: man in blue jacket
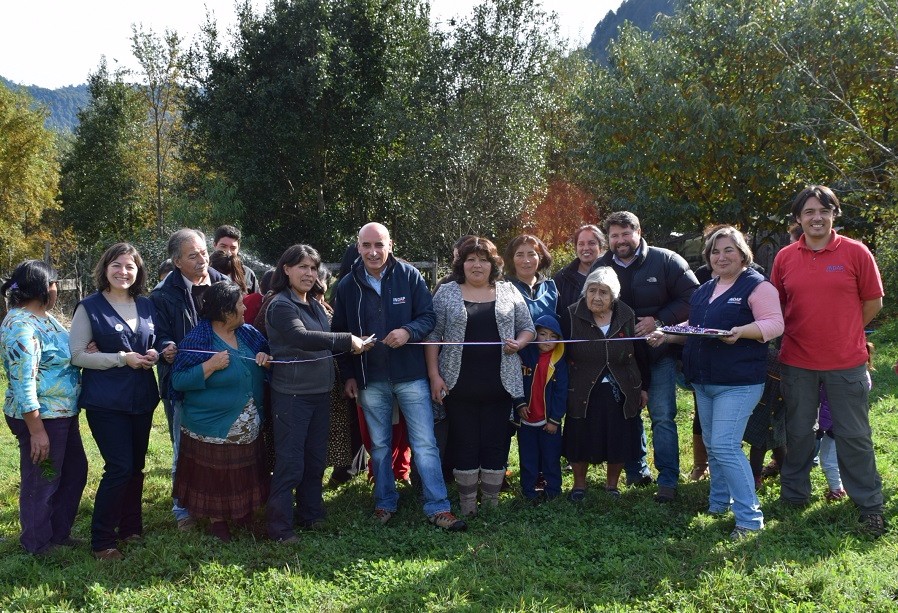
384	297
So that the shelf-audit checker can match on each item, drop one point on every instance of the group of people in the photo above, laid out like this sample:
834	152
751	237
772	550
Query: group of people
568	363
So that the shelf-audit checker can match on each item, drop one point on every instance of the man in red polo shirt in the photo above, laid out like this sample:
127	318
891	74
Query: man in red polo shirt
830	289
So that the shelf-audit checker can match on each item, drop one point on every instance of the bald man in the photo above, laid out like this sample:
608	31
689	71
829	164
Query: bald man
389	299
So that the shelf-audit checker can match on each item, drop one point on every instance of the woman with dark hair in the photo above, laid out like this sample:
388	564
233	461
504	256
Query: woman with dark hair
590	243
299	332
218	369
527	260
728	372
480	385
118	391
41	409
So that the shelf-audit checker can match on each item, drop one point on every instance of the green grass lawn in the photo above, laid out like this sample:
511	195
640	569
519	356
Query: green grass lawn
603	554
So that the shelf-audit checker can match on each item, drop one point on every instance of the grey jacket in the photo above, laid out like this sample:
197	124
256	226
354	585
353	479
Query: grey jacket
512	317
298	331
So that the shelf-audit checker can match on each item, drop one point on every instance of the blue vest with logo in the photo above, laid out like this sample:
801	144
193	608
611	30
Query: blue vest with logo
710	360
122	389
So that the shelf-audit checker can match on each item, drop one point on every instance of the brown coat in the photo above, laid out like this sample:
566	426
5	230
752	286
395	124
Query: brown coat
627	360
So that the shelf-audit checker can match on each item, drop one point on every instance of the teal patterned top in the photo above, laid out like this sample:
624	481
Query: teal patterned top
38	366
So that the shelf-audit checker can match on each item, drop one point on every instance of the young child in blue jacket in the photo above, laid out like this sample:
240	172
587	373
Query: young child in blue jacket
545	392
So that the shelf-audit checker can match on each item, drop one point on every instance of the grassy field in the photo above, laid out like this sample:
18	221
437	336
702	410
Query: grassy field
628	554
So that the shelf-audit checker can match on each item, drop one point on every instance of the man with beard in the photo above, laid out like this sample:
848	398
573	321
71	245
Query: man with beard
656	283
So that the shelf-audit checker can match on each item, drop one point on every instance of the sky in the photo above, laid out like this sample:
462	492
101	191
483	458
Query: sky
54	43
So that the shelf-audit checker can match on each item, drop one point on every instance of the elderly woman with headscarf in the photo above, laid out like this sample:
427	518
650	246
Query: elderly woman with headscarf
608	381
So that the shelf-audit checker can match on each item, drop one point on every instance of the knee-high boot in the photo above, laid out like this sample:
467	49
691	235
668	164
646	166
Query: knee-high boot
466	483
490	486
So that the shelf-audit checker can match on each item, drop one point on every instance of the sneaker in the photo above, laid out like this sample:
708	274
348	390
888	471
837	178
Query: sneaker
665	494
447	521
874	524
186	524
834	495
382	516
288	540
109	554
540	483
642	481
740	533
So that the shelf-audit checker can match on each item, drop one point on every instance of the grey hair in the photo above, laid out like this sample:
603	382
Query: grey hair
177	240
606	276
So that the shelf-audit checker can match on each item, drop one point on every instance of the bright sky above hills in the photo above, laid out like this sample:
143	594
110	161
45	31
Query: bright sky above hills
53	43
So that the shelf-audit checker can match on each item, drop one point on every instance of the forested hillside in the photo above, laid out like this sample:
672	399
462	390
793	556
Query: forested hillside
641	13
63	103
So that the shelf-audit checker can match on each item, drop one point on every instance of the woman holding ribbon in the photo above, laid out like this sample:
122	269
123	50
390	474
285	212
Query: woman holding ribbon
219	370
118	391
481	382
728	371
609	378
299	333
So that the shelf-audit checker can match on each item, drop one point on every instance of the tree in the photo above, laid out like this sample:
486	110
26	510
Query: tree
162	70
106	180
29	177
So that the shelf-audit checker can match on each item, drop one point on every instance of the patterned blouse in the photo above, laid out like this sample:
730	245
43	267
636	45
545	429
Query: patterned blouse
36	359
512	317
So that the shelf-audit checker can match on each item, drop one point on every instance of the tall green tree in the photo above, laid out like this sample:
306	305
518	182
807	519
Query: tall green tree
161	73
29	177
107	183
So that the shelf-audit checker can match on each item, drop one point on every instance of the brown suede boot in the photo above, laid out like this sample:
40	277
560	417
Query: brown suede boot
699	459
466	483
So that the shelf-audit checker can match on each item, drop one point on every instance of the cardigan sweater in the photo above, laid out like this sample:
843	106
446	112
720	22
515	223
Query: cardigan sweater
627	361
512	317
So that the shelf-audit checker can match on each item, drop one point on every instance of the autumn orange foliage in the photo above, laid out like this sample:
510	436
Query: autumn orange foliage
555	215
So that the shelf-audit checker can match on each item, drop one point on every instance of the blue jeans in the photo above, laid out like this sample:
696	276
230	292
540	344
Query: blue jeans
723	411
663	412
177	510
414	402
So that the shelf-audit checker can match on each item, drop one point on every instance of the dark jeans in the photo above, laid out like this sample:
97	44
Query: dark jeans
301	426
539	451
122	439
47	507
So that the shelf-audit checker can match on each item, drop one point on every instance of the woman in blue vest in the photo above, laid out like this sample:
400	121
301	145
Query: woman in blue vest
728	372
118	391
527	262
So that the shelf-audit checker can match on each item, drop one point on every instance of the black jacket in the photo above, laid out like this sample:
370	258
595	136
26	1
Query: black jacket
175	317
570	284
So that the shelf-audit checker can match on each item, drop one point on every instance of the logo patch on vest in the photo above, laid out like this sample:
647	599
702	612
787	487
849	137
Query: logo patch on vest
651	280
735	300
399	300
835	268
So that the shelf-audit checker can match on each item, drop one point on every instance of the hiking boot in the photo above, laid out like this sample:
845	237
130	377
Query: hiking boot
382	516
447	521
186	524
665	494
874	524
109	554
740	533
